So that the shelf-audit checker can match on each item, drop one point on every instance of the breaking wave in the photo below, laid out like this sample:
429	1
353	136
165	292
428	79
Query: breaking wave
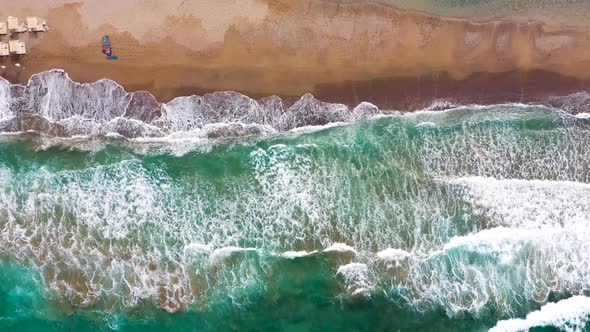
52	104
55	106
569	315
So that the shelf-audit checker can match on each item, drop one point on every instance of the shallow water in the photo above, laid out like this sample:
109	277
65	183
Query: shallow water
563	12
449	221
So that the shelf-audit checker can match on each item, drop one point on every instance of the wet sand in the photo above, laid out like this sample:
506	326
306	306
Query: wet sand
340	51
412	93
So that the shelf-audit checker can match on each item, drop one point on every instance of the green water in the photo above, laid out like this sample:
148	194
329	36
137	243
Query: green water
562	12
445	221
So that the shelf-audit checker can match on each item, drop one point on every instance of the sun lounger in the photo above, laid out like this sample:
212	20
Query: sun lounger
4	51
16	25
36	24
17	47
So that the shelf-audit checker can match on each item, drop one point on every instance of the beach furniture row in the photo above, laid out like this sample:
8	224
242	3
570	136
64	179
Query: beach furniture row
13	47
16	25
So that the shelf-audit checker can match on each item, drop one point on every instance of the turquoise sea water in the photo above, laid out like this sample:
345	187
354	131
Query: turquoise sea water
562	12
434	221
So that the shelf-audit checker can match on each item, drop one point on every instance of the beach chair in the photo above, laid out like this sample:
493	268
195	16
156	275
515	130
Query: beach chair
16	25
36	24
4	50
3	28
17	47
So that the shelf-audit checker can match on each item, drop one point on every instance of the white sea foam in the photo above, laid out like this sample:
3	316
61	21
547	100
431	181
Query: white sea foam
391	254
54	97
5	98
297	254
500	242
527	203
340	247
569	315
538	227
197	247
311	129
356	278
58	106
438	106
441	107
426	124
543	260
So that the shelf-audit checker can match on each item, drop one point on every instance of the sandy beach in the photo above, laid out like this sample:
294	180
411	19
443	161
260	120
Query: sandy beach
339	51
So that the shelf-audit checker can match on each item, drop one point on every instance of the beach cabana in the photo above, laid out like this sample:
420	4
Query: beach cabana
4	51
3	28
17	47
37	24
17	25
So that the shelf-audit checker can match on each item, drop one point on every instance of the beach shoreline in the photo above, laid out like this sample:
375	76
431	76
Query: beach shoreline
339	52
405	94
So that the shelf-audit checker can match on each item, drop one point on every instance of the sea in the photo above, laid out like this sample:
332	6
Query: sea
225	213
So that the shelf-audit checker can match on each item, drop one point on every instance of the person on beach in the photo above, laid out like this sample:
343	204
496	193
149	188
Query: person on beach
106	48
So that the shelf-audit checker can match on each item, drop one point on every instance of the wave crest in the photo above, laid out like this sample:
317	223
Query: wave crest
54	105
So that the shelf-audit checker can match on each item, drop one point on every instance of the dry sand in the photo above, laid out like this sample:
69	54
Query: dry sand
345	52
